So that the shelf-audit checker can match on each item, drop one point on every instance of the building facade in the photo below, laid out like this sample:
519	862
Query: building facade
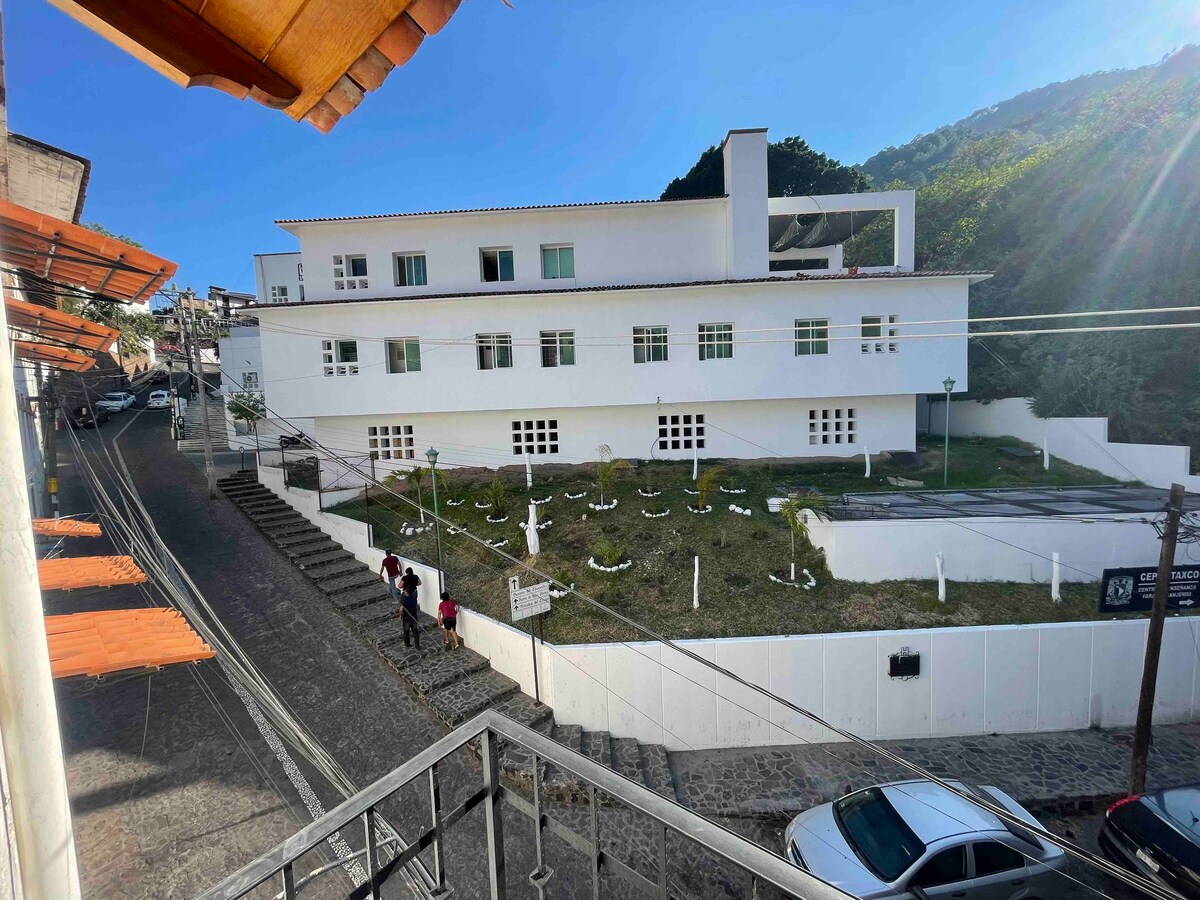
720	327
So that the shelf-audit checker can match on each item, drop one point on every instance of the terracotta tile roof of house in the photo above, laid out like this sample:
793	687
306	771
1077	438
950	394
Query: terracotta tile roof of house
798	278
491	209
59	327
96	643
65	528
54	356
68	573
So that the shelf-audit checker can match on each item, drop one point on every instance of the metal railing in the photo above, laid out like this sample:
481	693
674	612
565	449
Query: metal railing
764	870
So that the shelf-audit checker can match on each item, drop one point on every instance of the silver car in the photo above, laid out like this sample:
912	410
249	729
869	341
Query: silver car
915	839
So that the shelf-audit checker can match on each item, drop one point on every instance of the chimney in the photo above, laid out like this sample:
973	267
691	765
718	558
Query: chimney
746	235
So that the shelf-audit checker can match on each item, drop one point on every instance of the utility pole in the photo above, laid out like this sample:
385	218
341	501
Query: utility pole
202	395
48	407
1162	590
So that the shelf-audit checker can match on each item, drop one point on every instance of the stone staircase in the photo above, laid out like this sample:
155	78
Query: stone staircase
193	428
455	685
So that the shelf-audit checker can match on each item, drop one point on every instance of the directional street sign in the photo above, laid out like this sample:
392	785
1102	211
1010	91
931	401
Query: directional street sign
1132	590
528	601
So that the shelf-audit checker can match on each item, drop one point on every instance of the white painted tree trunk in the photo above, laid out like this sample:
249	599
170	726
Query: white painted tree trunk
1055	578
1046	453
941	576
695	462
528	471
867	457
696	586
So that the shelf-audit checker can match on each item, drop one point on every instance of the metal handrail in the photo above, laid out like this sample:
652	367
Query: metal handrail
763	866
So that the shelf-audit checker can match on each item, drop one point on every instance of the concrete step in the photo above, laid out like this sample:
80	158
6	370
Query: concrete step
363	594
322	558
627	759
237	487
524	710
349	582
656	771
348	566
261	501
373	613
391	631
401	658
297	550
443	668
570	736
289	529
273	517
302	540
559	783
597	746
459	701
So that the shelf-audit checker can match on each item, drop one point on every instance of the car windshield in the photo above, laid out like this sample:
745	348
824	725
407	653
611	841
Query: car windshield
877	834
115	396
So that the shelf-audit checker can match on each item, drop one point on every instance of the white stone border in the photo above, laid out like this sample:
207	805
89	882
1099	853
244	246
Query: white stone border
602	506
542	526
544	500
496	521
571	496
455	502
807	585
479	505
700	512
725	490
661	515
734	508
556	594
497	545
619	567
649	493
409	530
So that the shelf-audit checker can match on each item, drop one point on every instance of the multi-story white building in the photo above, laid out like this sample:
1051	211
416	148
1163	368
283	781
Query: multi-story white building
278	278
724	326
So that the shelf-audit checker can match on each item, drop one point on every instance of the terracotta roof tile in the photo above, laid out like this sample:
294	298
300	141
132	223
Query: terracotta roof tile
65	528
68	573
96	643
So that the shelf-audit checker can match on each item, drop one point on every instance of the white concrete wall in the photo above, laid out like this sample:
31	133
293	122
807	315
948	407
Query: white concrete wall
485	438
1002	679
764	365
744	157
280	270
986	548
1081	440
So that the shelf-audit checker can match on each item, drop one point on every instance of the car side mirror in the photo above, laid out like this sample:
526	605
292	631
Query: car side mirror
918	892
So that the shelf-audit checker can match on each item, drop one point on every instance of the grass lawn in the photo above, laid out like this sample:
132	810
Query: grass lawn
737	553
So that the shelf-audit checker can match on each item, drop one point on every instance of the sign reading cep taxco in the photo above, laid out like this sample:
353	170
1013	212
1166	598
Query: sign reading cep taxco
1132	590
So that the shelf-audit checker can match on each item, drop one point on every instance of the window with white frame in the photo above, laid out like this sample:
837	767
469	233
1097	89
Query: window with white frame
410	269
349	272
496	264
558	349
339	357
403	355
874	331
494	351
812	337
832	426
534	436
279	293
681	432
558	261
716	340
250	381
391	441
650	343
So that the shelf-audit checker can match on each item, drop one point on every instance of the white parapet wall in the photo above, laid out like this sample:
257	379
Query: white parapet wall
1083	441
1000	548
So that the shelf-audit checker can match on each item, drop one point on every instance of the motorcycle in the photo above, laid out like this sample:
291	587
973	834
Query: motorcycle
299	439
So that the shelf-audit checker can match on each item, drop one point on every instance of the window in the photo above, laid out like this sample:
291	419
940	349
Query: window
339	357
716	341
946	867
558	349
558	262
992	857
410	269
650	343
349	272
812	337
681	432
403	355
279	293
494	351
249	381
797	265
877	834
832	426
391	441
496	265
873	332
534	436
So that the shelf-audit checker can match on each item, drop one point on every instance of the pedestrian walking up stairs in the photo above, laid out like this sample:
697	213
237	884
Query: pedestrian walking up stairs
455	685
193	428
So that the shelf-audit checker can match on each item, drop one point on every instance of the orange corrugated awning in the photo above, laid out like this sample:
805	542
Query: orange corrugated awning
68	573
96	643
57	357
61	251
65	528
61	327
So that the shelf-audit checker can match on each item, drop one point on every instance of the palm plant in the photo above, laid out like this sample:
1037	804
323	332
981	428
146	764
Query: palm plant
792	510
607	471
413	478
496	495
706	484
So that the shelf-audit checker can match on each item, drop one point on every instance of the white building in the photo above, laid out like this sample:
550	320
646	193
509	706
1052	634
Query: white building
659	328
278	278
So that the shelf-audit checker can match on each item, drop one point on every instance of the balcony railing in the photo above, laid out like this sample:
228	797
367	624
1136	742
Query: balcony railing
759	872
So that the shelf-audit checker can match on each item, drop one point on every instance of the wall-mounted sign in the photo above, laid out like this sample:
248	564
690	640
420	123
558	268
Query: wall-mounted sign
528	601
1132	590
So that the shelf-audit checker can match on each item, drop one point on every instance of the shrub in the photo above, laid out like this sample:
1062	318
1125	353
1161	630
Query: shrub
496	496
607	553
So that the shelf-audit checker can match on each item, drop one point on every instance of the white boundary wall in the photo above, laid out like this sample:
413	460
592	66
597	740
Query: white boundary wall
1000	548
1083	441
1002	679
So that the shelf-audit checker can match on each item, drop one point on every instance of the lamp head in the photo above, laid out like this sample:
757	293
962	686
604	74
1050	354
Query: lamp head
948	384
432	456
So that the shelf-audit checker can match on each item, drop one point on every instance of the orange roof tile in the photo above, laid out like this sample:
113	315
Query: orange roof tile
50	355
61	327
65	528
67	573
95	643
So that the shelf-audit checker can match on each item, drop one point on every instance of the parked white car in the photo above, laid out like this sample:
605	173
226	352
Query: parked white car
158	400
116	401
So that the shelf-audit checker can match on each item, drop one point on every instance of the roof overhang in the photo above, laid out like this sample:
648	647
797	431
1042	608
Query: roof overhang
60	327
65	528
60	251
53	356
96	643
69	573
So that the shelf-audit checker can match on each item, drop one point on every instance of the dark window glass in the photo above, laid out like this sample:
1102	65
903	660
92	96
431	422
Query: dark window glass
946	867
877	833
992	857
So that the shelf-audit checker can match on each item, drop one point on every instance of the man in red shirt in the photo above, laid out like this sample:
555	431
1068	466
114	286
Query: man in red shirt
448	619
391	565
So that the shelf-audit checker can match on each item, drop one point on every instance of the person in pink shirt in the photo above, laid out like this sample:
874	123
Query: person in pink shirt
448	620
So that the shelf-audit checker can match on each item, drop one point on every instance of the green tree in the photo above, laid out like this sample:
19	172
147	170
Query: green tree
496	496
792	511
607	469
707	484
248	407
794	169
123	238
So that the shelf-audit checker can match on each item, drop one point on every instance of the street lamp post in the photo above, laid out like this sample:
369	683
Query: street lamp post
948	384
432	456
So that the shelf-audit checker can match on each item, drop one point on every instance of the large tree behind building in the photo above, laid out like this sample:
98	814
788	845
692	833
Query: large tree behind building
794	169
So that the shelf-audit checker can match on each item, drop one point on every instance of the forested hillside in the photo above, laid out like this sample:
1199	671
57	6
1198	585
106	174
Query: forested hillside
1083	195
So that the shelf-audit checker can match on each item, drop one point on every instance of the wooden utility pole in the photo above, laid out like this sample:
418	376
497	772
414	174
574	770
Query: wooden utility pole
210	471
1162	590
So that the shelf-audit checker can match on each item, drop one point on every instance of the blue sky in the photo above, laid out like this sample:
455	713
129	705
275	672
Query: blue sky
565	101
